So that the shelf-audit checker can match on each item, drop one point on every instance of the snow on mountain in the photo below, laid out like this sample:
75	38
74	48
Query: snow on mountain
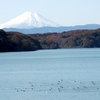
29	20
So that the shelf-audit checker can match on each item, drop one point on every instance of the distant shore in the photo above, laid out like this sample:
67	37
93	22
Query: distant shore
16	42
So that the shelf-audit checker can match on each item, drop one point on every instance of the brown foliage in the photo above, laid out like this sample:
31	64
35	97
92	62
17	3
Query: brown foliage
71	39
14	41
18	42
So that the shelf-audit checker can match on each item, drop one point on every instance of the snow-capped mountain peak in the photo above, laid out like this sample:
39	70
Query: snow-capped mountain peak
29	20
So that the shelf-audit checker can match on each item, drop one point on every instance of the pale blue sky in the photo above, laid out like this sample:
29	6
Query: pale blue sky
63	12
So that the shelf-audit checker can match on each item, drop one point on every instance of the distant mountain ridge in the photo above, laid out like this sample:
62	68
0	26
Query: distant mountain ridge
54	29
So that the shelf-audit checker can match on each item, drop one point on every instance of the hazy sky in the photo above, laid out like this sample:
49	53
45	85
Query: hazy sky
63	12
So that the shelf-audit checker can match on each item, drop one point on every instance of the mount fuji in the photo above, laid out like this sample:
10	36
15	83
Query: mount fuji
29	20
32	22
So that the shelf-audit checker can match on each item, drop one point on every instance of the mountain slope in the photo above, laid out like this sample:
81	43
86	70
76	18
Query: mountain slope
14	41
28	20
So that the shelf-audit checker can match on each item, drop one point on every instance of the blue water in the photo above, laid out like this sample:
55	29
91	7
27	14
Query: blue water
76	70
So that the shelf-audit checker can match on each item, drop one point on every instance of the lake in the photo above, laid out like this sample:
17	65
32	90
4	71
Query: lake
58	74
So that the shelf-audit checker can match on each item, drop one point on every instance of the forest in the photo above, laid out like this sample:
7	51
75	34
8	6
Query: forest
16	41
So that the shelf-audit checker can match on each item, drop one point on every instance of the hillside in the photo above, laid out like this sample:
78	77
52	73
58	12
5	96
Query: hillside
15	41
71	39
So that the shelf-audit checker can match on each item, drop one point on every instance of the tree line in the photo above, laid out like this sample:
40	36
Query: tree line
15	41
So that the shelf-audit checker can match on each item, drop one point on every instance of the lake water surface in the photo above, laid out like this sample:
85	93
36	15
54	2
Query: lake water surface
62	74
